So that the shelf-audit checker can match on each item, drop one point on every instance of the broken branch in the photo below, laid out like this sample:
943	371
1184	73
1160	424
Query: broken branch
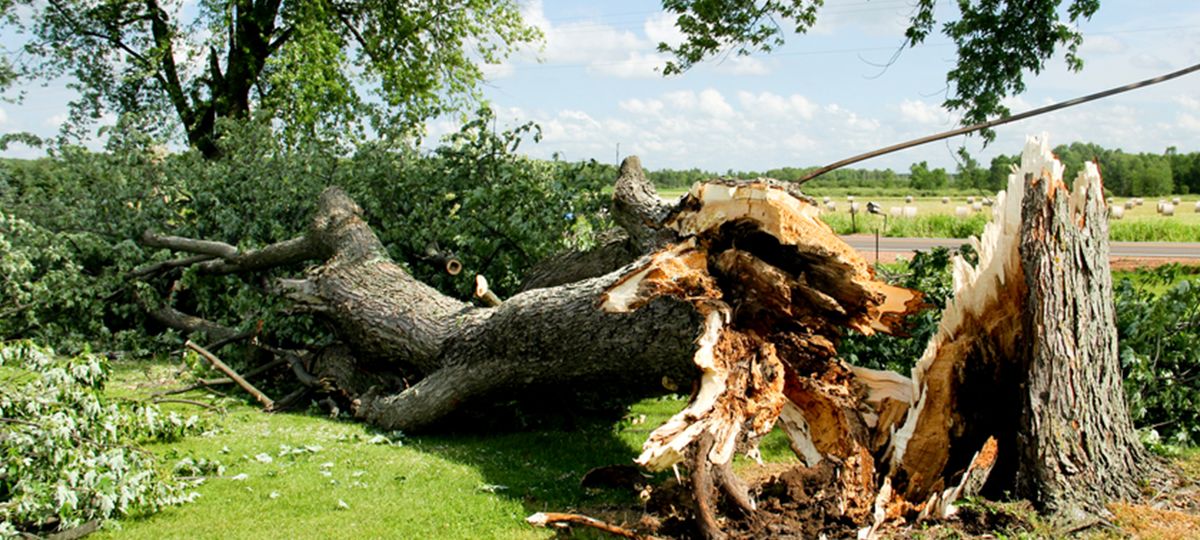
217	363
558	519
484	293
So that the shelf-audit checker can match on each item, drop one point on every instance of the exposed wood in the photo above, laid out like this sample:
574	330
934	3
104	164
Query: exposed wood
484	293
217	363
444	260
559	519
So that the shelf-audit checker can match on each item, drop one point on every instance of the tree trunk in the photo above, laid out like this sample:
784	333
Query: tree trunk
745	291
1076	441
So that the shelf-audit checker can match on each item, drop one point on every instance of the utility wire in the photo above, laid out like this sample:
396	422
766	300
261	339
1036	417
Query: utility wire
996	122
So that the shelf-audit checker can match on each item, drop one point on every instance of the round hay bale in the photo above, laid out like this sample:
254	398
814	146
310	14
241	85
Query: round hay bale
1175	201
831	206
849	198
970	200
908	199
978	207
1130	204
962	211
1116	212
945	200
910	211
1168	209
1198	207
896	211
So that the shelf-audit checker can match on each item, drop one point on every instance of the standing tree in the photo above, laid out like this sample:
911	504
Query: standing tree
298	63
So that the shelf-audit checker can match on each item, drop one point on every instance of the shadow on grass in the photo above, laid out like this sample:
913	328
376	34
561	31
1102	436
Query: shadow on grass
539	458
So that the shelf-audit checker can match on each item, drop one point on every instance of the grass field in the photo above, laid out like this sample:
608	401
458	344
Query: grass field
302	476
939	220
308	476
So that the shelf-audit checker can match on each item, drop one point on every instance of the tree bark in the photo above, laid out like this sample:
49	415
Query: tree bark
1077	444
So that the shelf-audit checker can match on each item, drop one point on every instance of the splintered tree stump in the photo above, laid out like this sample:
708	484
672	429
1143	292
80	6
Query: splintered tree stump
741	288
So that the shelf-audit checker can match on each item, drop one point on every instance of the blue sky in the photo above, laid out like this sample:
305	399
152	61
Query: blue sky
821	97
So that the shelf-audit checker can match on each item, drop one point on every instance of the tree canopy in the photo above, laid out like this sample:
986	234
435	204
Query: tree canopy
336	68
997	41
302	64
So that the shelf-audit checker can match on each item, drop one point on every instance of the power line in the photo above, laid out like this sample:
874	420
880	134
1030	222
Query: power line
996	122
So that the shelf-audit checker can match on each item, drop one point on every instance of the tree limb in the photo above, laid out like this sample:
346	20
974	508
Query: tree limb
267	402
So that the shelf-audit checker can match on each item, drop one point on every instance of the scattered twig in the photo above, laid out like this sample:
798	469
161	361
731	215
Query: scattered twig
207	383
558	519
291	400
217	363
193	402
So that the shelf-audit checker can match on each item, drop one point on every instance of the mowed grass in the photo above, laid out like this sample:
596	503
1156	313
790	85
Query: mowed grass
936	219
328	478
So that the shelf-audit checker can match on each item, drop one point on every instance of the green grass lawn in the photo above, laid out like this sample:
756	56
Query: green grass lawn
309	476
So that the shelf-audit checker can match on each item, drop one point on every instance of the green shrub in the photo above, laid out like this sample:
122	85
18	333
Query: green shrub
1158	320
928	272
66	455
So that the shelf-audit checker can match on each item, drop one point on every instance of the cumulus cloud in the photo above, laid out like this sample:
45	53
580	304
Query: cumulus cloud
604	49
772	105
635	65
1149	61
660	28
1188	102
641	107
742	65
708	129
922	113
1101	45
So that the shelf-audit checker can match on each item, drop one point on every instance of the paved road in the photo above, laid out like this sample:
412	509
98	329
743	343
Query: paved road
1171	250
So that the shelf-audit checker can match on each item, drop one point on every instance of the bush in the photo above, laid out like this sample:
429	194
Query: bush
1158	320
928	272
66	455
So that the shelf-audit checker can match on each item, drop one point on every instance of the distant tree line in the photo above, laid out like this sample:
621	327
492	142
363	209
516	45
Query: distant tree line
1125	174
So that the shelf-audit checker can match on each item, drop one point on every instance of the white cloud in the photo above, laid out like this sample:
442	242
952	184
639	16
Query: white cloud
1189	122
3	116
1101	45
641	107
742	65
1149	61
635	65
492	72
56	120
607	50
1188	102
770	105
705	128
660	28
714	104
922	113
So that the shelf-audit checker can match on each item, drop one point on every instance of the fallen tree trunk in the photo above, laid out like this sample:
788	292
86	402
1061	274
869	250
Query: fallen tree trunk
741	288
